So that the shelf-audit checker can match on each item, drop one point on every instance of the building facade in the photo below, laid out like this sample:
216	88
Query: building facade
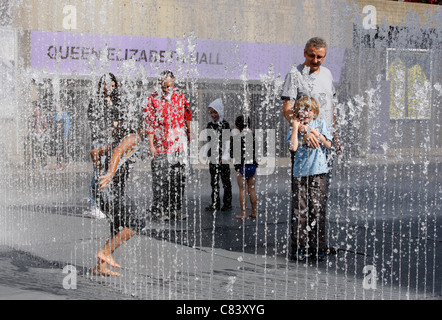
384	56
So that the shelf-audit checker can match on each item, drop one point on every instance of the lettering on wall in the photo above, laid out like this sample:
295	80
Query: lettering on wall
68	52
117	54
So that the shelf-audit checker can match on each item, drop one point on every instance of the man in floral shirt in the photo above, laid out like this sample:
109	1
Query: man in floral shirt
167	124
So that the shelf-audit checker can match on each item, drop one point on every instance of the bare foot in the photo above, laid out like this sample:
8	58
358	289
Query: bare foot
107	259
242	216
253	216
101	270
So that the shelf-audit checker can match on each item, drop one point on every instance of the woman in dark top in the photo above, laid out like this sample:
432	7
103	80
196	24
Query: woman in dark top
112	140
103	116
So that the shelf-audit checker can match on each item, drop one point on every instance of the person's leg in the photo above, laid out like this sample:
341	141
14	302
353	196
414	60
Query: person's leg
251	183
105	255
160	186
214	171
182	181
94	156
227	186
242	195
177	183
317	205
121	230
94	211
66	158
299	219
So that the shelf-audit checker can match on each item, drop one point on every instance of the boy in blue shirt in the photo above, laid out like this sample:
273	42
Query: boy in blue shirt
309	179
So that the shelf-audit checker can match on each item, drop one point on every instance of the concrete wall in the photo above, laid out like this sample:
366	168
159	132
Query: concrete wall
277	21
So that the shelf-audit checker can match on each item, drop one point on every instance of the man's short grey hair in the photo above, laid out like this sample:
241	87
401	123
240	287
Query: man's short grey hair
317	43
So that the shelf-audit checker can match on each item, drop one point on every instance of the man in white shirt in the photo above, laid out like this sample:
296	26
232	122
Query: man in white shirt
314	80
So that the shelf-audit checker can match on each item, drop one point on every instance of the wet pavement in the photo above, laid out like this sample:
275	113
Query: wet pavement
209	255
25	276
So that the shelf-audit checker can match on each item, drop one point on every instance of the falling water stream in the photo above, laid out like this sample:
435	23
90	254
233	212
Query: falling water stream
383	207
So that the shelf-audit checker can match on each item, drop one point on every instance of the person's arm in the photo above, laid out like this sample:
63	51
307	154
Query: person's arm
189	130
153	150
149	126
289	95
124	149
321	138
310	138
294	137
287	110
336	140
187	119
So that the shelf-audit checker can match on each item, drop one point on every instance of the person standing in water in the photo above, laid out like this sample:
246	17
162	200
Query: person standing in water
113	151
167	126
245	166
219	166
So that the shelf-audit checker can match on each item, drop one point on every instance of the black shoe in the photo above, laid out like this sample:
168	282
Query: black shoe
226	207
212	207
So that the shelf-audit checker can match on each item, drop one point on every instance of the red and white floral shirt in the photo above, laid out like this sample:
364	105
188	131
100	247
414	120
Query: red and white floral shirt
166	118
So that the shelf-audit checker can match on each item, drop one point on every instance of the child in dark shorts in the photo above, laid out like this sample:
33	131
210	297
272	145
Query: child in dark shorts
245	165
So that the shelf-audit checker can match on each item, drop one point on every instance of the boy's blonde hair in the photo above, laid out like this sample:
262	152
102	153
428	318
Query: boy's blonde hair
306	103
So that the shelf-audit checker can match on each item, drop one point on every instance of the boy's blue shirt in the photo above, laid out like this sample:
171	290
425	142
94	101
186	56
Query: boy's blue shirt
310	161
